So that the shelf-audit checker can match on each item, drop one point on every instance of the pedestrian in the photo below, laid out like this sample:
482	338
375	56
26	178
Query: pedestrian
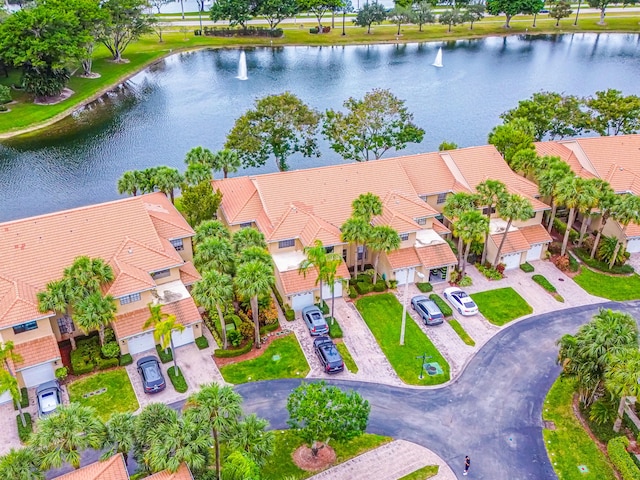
467	464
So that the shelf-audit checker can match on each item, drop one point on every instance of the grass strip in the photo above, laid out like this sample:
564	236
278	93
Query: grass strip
178	381
455	324
423	473
347	358
502	305
608	286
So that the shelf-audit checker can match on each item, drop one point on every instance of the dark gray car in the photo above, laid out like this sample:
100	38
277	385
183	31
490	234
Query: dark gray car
151	373
49	398
427	309
315	321
328	354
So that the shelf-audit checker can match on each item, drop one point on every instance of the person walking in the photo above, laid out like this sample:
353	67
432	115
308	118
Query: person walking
467	464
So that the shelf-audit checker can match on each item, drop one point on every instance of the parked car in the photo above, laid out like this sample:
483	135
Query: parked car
328	354
315	321
151	373
427	309
49	397
461	301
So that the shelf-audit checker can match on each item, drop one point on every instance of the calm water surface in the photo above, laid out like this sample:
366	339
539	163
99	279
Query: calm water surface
193	99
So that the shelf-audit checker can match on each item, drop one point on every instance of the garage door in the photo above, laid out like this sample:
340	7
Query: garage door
401	275
5	397
633	245
141	343
298	302
182	338
35	376
511	261
337	290
534	253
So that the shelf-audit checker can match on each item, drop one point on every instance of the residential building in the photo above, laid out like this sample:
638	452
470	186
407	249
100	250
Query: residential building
614	159
146	242
114	468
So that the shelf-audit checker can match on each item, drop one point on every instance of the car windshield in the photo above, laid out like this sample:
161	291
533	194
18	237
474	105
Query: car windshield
461	294
469	304
151	372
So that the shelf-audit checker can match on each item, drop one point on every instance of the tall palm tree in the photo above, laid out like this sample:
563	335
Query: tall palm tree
251	437
454	206
621	379
218	407
119	435
548	176
88	275
525	162
489	194
328	273
197	173
214	254
367	206
57	297
62	437
627	211
215	290
129	183
577	194
200	155
167	179
21	464
9	383
254	253
356	230
211	228
384	239
607	204
512	207
248	237
315	259
470	227
164	324
601	189
239	466
95	312
252	280
7	354
227	161
153	417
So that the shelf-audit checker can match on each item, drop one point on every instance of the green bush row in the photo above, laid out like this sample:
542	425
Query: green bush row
83	368
335	331
544	283
202	342
424	287
380	286
233	352
489	272
24	399
269	328
526	267
104	363
126	359
24	432
352	292
617	450
442	305
364	287
289	313
165	355
561	227
585	256
178	381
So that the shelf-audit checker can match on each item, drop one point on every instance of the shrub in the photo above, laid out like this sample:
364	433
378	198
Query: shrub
326	29
313	30
5	94
453	246
393	284
574	266
24	432
62	373
621	459
585	255
126	359
561	262
109	335
234	337
424	287
86	355
165	355
3	108
380	286
289	313
465	281
178	381
247	330
235	352
555	248
544	283
489	272
607	247
352	292
363	277
500	268
110	350
363	287
323	307
202	342
561	227
105	363
527	267
269	328
442	305
268	315
24	399
83	368
335	331
235	319
278	297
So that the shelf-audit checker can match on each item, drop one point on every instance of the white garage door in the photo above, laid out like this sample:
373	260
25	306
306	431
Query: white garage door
633	245
534	253
401	275
183	337
298	302
5	397
511	261
141	343
35	376
337	290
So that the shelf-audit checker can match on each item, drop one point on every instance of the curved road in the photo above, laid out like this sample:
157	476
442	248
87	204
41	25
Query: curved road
492	412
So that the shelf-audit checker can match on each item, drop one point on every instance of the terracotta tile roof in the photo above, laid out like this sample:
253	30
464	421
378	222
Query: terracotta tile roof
411	206
435	256
515	242
535	234
403	258
182	473
633	230
398	221
131	323
428	173
555	149
439	227
18	302
37	351
111	469
189	274
294	282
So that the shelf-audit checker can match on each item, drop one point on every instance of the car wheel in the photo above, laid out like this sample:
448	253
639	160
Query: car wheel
459	310
413	307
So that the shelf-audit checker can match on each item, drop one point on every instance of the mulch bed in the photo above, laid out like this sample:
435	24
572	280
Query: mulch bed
304	459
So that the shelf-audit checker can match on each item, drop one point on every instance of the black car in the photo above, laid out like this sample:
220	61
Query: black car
151	373
328	354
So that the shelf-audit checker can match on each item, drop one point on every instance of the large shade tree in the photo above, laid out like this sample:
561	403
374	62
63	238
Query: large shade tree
613	113
126	21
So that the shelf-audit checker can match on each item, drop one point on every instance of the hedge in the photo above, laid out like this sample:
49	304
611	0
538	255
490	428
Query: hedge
234	352
352	292
526	267
202	342
104	363
178	381
364	287
269	328
585	256
621	459
126	359
24	399
544	283
380	286
424	287
24	432
82	369
442	305
165	355
335	331
289	313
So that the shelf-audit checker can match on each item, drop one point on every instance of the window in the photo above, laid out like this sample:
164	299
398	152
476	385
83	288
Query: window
328	249
344	254
177	244
287	243
25	327
134	297
245	225
421	221
404	237
362	252
442	197
65	325
160	274
485	210
423	198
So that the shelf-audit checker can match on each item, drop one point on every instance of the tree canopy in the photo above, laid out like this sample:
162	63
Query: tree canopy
510	8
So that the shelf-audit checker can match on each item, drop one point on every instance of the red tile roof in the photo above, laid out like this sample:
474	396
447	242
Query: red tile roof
131	323
189	274
183	473
403	258
113	468
37	351
435	256
515	242
294	282
535	234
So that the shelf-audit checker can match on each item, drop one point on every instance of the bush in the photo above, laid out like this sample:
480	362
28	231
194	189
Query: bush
442	305
424	287
393	284
289	313
86	355
352	292
555	248
489	272
335	331
323	307
561	227
526	267
278	297
83	368
380	286
110	350
165	355
544	283
247	330
326	29
500	268
5	94
269	328
24	399
621	459
561	262
3	108
178	381
313	30
606	249
465	281
268	315
126	359
105	363
109	335
62	373
202	342
24	432
584	254
234	337
235	352
574	266
364	287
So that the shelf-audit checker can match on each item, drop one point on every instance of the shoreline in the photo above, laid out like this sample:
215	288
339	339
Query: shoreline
398	40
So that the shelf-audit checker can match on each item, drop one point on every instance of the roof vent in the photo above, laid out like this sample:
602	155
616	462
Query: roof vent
130	250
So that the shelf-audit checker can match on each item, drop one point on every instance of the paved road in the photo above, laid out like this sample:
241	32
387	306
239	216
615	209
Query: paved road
492	412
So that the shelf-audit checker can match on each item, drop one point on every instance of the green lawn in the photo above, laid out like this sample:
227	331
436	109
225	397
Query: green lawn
569	446
382	314
349	362
455	324
119	396
502	305
281	465
423	473
283	358
607	286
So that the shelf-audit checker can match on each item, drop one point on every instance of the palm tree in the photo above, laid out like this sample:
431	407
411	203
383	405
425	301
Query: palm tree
253	279
214	254
119	435
218	407
577	194
211	228
57	297
315	259
153	417
254	253
10	383
512	207
200	155
167	179
251	437
489	194
248	237
329	273
525	162
94	313
367	206
164	324
62	437
20	464
356	230
607	204
226	161
129	182
627	211
454	206
384	239
197	173
238	466
470	227
215	290
87	275
621	379
548	177
602	189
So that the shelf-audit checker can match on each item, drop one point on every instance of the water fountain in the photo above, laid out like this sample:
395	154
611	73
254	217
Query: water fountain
242	67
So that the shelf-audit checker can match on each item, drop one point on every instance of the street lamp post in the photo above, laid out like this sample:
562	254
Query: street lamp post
404	304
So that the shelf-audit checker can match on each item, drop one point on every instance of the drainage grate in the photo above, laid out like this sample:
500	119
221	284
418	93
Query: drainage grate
95	392
583	469
549	425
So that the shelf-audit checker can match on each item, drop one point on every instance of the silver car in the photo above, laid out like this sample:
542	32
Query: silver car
315	321
49	398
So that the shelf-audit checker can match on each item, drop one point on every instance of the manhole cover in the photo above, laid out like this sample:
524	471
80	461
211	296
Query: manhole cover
549	425
275	358
583	469
561	279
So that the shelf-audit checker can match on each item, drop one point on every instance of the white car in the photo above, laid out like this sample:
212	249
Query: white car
461	301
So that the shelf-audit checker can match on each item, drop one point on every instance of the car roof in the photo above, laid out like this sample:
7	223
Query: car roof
419	298
47	386
311	308
150	358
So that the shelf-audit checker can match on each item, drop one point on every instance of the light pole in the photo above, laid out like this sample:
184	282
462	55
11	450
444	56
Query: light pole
404	303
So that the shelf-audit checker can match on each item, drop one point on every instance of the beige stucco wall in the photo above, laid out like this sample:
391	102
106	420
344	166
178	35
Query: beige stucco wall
174	274
145	299
432	200
43	330
273	247
124	343
536	220
187	249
